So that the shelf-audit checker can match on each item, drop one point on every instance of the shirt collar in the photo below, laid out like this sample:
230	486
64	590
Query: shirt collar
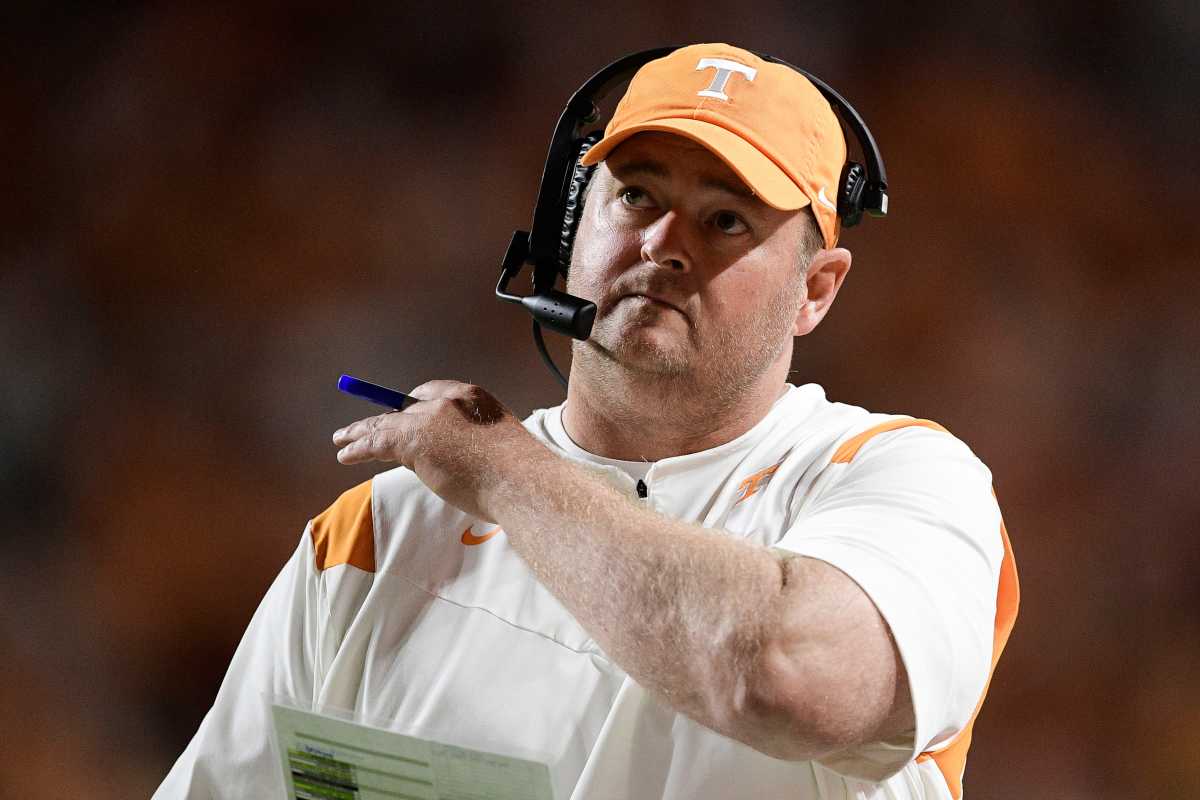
794	404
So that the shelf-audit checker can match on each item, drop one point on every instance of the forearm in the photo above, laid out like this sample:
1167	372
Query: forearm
789	656
682	609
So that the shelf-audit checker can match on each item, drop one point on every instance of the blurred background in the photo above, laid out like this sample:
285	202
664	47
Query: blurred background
213	210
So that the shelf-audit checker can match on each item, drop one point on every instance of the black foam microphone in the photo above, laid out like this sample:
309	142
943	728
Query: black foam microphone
562	312
557	310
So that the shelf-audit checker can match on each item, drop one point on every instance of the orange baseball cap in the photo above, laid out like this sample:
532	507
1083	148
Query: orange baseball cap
765	120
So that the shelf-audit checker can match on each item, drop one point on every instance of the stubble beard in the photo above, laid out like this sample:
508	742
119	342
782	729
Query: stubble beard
706	372
623	336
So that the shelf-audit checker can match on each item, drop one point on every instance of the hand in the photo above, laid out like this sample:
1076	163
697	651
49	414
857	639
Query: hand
459	439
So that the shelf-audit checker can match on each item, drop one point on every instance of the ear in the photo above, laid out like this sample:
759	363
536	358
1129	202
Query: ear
823	279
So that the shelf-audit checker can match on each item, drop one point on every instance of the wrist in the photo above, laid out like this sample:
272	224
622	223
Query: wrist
513	491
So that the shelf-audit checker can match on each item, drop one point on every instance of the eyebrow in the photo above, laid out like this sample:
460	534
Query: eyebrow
657	169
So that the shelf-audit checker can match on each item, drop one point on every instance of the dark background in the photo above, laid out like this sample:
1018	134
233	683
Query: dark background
212	211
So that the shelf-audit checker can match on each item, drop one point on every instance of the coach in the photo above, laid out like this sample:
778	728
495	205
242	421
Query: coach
692	579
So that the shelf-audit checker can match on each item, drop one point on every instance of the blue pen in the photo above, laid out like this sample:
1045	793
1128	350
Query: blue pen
375	393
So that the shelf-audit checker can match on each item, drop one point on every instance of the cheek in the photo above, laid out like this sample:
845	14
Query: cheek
734	291
600	254
583	279
740	296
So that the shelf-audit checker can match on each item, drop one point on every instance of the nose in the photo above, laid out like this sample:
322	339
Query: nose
666	242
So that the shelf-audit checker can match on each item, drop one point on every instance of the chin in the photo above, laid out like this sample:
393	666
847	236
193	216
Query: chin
645	347
649	355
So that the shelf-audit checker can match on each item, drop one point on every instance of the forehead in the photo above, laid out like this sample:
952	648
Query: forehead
673	156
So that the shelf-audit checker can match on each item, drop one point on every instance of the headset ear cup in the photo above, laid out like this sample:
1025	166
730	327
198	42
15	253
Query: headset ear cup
850	195
573	208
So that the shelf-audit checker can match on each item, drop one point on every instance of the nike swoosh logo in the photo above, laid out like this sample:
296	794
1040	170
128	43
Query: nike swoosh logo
470	539
823	200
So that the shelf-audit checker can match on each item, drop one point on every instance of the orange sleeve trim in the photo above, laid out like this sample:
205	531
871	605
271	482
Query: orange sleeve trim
344	533
849	449
952	759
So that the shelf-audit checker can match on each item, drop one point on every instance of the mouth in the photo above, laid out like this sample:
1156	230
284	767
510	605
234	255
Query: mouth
656	300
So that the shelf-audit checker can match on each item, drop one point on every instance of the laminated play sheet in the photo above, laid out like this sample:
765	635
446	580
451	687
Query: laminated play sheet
324	758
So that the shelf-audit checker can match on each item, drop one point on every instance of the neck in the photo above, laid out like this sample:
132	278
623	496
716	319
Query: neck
632	417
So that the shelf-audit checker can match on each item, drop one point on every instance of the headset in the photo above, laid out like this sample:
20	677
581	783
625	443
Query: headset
547	245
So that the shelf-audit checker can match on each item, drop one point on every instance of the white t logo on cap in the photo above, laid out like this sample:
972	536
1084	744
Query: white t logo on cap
724	68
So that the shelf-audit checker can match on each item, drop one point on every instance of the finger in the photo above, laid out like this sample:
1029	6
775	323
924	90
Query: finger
431	390
384	443
354	453
364	427
471	401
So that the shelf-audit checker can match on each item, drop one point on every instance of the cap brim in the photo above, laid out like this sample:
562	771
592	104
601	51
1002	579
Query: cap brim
761	174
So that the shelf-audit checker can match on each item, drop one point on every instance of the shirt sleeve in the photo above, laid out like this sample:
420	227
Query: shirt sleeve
912	519
231	755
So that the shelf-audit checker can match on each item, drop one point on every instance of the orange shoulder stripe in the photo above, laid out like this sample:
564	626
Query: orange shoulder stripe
849	449
952	759
344	533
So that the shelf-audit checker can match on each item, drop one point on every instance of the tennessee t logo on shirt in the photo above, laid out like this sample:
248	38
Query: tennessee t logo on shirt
754	482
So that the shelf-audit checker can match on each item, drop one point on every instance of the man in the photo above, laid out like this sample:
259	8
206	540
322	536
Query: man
690	580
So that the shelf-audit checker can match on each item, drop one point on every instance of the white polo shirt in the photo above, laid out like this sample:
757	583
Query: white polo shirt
405	613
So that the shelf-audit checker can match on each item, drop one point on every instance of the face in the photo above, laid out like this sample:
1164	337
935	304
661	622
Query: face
694	278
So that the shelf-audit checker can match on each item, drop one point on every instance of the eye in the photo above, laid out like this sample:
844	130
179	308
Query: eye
635	197
729	223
